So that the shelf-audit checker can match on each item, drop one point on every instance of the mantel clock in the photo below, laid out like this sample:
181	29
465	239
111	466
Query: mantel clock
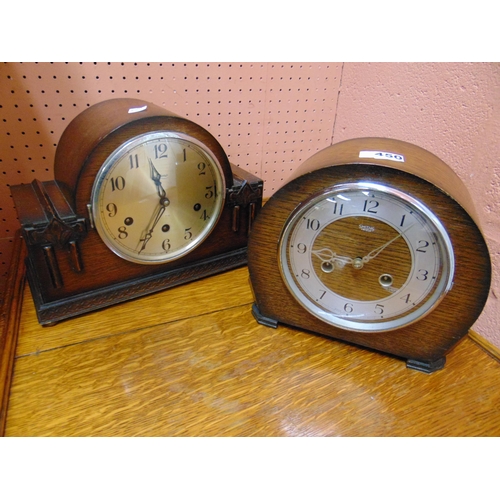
375	242
142	200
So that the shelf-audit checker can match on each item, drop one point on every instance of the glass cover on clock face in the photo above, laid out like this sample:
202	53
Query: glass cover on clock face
157	197
366	257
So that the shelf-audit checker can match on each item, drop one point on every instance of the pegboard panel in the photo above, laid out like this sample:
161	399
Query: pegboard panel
269	117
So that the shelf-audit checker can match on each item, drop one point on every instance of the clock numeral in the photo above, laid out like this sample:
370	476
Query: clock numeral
305	274
348	308
160	151
423	245
201	168
188	234
122	232
117	184
302	248
406	298
379	309
323	293
338	208
112	209
313	224
166	245
370	206
134	161
423	275
211	192
402	220
204	215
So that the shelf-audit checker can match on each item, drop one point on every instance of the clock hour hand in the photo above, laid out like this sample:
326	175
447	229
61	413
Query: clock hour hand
327	255
155	175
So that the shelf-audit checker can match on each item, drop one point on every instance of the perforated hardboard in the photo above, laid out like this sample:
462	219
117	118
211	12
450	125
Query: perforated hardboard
269	117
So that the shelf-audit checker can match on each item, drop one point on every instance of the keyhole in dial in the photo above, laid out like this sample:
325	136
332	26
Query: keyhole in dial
327	267
385	280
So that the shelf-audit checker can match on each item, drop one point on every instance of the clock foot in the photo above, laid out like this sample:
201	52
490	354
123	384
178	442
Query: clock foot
263	320
426	366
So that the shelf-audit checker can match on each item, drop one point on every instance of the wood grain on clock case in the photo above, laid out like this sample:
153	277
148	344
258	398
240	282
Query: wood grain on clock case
430	338
80	145
79	140
418	161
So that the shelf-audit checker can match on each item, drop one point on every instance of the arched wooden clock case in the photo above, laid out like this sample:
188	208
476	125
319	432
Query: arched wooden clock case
375	242
70	268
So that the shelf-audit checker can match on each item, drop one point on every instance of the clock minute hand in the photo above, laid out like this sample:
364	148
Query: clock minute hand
160	208
375	252
148	233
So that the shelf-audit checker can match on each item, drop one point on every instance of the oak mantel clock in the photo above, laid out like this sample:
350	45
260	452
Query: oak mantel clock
375	242
142	200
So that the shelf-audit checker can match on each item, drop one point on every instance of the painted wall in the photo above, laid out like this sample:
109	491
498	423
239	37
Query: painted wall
450	109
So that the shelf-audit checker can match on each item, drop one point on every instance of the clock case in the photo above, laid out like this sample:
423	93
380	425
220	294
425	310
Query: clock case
69	268
425	343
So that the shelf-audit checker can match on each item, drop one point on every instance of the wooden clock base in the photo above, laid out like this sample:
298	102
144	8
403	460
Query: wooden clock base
51	312
414	364
71	272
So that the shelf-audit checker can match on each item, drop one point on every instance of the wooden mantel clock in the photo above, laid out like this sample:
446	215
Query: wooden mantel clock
375	242
142	200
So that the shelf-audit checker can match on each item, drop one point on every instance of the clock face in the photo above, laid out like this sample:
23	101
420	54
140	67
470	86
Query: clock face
363	256
157	197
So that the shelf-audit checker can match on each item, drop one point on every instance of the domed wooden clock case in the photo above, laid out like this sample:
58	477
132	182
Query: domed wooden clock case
142	200
375	242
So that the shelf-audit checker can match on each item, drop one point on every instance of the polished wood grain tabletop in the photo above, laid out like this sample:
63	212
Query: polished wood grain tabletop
192	361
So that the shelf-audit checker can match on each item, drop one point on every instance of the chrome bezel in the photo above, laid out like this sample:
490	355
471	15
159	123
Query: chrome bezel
429	303
116	156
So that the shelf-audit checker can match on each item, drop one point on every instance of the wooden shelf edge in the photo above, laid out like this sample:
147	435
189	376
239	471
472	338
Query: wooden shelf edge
484	344
11	313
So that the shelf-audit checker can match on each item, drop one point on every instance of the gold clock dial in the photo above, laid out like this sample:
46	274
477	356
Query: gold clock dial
157	197
366	257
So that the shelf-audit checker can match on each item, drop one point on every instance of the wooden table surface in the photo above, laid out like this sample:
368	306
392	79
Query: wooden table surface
192	361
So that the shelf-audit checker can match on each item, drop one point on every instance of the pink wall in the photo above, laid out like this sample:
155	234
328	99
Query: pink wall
451	109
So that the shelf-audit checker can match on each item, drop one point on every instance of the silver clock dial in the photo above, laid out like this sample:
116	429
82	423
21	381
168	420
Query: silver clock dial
366	257
157	197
